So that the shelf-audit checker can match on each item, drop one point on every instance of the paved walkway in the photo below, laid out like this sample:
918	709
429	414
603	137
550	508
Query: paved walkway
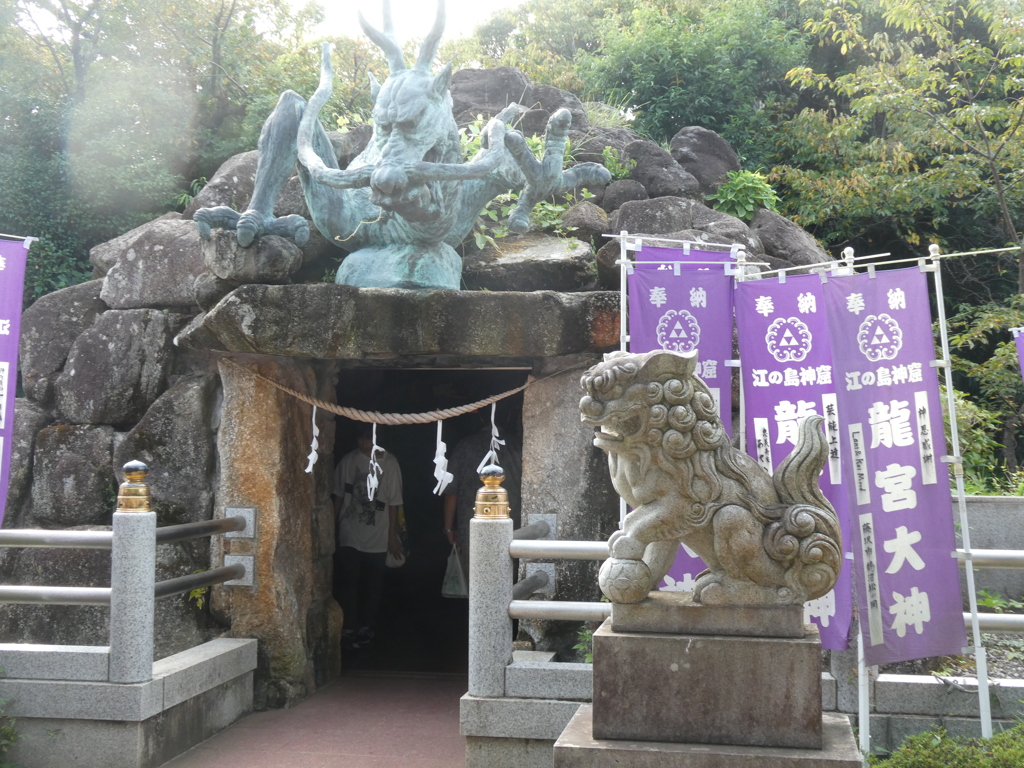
355	722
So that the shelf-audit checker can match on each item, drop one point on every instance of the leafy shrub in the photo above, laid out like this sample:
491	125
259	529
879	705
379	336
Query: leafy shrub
937	749
744	193
616	167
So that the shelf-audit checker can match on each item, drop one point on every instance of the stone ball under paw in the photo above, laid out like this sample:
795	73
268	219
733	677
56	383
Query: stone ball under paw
625	581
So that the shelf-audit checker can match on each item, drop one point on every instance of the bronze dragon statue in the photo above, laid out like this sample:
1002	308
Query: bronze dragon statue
401	206
766	539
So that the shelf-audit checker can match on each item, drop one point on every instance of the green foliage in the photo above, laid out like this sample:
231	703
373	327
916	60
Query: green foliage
585	643
689	63
996	603
617	168
985	360
919	120
937	749
545	38
743	194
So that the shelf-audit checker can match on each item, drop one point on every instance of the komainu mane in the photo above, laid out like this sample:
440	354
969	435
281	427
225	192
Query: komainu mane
401	206
766	539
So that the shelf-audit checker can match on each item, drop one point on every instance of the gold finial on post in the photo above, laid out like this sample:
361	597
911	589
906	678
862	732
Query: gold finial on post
133	495
492	499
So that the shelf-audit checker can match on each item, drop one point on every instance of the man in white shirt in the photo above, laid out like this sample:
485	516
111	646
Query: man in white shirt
367	531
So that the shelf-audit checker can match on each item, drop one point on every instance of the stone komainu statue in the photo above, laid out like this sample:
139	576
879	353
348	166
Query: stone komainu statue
402	205
766	539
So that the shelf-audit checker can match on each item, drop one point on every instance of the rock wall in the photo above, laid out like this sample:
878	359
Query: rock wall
138	364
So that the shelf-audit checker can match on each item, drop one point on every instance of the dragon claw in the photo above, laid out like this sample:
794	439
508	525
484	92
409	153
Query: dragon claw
250	226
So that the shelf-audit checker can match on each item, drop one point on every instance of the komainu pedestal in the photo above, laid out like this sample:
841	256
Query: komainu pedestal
678	684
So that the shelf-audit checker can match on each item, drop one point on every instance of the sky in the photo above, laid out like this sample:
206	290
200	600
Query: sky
412	18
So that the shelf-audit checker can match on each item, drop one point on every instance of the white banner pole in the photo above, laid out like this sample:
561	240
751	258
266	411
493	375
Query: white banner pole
956	462
863	699
623	335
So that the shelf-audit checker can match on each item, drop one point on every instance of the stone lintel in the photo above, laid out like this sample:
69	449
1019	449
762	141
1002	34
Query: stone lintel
328	321
577	748
674	613
709	689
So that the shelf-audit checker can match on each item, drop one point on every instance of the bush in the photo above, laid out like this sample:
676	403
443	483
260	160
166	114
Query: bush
937	749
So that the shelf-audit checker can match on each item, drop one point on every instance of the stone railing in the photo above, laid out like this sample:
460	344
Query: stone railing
114	698
519	702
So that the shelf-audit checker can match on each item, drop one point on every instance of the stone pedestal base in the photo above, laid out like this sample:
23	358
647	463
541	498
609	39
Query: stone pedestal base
577	748
707	689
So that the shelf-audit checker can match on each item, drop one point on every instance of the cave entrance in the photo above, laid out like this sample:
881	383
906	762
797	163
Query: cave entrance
417	629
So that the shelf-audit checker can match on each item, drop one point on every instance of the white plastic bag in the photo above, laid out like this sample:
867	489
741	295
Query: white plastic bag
454	584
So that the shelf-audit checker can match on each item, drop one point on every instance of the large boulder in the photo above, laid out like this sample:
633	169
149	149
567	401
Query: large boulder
231	185
586	221
534	262
622	191
156	268
705	155
175	439
588	146
547	99
73	481
653	217
658	172
785	240
487	91
117	368
29	418
48	328
270	259
105	255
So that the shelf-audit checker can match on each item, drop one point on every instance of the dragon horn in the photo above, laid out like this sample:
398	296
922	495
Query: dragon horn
385	41
429	48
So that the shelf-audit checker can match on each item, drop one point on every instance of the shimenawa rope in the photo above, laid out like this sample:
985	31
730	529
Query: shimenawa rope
375	417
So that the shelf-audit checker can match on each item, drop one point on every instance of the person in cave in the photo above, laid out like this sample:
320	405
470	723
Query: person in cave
368	530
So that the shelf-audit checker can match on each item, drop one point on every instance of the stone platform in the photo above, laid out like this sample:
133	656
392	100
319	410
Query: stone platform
674	613
708	689
577	748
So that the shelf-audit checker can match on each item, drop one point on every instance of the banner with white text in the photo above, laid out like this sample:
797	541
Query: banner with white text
786	376
893	440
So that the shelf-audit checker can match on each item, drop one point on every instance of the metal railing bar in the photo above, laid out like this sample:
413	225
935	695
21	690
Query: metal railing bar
30	537
558	550
198	580
523	589
993	558
558	610
533	531
55	595
172	533
998	622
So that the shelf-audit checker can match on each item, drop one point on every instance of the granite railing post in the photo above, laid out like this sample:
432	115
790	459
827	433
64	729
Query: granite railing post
490	587
132	573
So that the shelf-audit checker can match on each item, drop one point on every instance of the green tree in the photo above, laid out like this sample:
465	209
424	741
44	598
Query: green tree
922	132
719	64
545	38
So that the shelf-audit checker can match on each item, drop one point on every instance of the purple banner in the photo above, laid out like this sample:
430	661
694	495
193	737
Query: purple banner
908	585
682	312
1018	339
786	376
681	256
13	256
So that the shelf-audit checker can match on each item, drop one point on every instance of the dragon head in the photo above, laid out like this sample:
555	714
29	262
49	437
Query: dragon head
413	123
